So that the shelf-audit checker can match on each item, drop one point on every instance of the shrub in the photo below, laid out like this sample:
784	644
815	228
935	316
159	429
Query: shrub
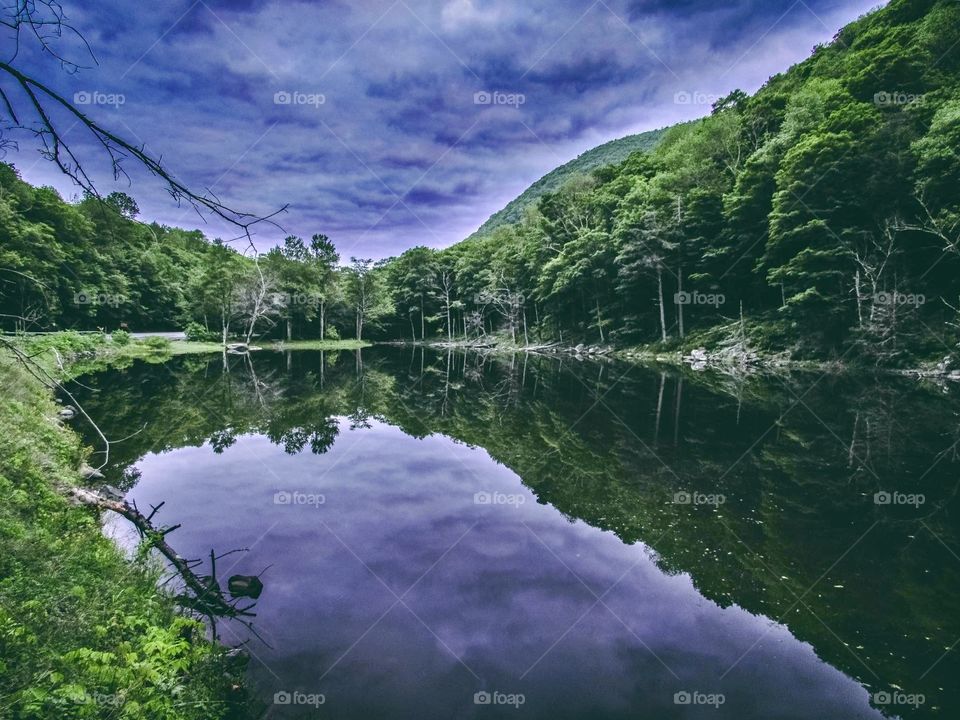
68	343
156	343
120	337
198	333
332	333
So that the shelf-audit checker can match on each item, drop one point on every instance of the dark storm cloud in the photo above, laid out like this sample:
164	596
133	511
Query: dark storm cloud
388	125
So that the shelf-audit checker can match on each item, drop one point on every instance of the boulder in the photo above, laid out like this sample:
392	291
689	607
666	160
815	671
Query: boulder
90	473
245	586
111	492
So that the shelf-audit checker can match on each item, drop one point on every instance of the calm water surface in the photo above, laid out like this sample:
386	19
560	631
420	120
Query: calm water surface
563	539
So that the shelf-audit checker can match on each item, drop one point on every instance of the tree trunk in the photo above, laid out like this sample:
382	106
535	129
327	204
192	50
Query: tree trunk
856	288
676	415
599	319
656	427
663	319
449	326
289	329
680	304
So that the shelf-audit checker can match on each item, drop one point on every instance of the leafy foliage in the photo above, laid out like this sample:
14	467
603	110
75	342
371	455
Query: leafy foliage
83	632
827	204
822	213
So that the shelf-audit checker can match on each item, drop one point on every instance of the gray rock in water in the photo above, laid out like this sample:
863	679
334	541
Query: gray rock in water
245	586
111	492
90	473
67	412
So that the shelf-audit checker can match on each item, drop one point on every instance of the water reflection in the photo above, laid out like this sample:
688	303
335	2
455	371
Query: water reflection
752	502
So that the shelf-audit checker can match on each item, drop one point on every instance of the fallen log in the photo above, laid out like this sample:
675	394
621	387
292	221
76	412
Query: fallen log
208	598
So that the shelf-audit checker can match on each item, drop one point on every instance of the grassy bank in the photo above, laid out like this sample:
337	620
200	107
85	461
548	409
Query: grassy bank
316	345
72	353
84	632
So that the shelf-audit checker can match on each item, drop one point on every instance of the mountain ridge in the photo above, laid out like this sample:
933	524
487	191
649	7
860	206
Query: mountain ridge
611	152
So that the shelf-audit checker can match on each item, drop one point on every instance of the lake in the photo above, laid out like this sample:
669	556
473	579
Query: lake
448	535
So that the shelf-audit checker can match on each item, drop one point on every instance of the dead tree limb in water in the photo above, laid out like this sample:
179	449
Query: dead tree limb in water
208	597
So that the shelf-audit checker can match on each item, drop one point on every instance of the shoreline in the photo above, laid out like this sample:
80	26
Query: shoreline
697	358
89	653
102	353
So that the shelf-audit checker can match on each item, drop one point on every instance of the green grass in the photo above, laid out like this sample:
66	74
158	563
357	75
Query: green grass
190	347
315	345
72	354
84	631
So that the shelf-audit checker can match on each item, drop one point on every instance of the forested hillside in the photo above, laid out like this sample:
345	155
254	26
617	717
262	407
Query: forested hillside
609	153
820	217
826	207
92	265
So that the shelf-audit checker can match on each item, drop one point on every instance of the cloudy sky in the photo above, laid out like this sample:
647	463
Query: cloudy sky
390	124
